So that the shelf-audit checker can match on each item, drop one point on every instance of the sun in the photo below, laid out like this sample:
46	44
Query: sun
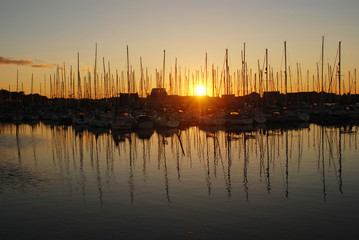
200	90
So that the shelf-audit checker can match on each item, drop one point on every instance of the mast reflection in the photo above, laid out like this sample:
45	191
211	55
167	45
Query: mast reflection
245	164
286	166
85	160
18	144
267	169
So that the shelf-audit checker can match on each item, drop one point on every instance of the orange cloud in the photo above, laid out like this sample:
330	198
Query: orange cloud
85	69
7	61
62	68
42	65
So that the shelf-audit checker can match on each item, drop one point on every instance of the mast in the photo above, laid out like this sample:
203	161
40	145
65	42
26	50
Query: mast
213	77
17	85
355	83
44	85
163	70
322	69
64	73
51	91
109	81
89	92
128	71
206	73
61	94
350	85
179	82
32	88
227	73
17	80
117	83
104	79
266	70
246	78
72	80
176	83
141	80
285	71
79	95
298	83
32	83
259	80
95	72
339	67
244	70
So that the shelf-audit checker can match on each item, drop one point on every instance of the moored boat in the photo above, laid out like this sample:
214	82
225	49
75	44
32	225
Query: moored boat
236	118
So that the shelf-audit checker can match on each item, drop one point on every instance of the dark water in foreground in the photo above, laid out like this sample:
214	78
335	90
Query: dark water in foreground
291	183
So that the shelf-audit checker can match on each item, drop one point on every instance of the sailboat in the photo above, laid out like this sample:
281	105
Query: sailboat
236	118
294	113
325	112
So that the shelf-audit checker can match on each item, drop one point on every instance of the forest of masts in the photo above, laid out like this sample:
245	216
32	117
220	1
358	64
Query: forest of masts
106	83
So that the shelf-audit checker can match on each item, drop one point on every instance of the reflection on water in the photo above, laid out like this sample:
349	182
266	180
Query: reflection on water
218	177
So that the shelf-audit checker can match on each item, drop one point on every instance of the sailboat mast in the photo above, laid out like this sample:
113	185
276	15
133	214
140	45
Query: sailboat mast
32	88
109	81
17	80
355	82
128	71
322	64
95	72
79	95
141	81
104	79
176	83
266	70
227	73
339	66
206	73
244	71
213	77
32	83
285	71
163	70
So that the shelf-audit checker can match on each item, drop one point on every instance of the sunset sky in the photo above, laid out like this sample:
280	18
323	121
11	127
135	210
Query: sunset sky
37	35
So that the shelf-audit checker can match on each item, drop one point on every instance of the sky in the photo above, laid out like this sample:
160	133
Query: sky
38	35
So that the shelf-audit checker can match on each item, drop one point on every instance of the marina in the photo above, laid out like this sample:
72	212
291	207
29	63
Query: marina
119	161
171	111
164	119
231	99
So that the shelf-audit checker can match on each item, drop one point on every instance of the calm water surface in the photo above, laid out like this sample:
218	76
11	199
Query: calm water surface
279	183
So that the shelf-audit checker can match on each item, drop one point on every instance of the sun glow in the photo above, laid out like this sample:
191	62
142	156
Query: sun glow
200	90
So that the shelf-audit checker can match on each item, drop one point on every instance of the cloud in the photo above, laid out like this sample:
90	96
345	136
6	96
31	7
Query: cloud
7	61
42	65
62	68
85	69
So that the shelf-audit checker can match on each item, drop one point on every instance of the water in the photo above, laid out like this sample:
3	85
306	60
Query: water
279	183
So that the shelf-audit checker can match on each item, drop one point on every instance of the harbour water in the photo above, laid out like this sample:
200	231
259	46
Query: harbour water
277	182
